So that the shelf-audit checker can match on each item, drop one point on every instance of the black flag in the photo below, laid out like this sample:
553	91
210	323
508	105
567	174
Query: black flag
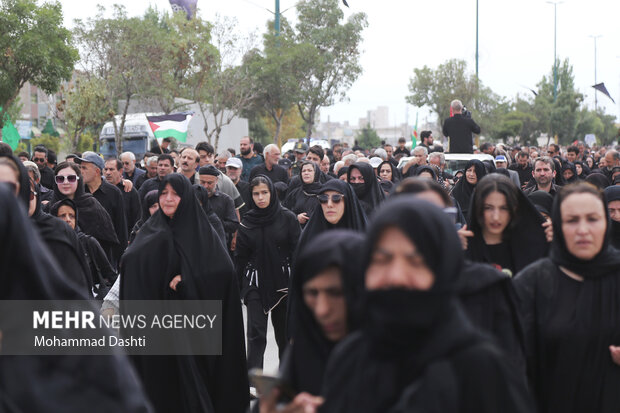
601	88
345	3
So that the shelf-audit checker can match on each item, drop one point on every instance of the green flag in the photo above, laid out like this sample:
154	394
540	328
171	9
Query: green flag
9	132
414	133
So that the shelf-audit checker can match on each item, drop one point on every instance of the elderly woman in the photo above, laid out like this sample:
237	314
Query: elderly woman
570	304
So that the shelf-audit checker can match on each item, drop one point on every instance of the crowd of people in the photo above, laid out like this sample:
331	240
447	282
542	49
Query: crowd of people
392	286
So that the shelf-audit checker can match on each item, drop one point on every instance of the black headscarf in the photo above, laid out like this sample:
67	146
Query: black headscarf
369	193
303	198
463	190
34	383
187	243
311	349
396	175
94	219
354	217
525	234
606	262
599	180
257	217
585	169
542	200
612	193
343	171
569	166
426	168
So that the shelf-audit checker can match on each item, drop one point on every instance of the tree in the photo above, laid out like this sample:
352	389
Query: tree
35	48
368	138
115	52
333	56
451	80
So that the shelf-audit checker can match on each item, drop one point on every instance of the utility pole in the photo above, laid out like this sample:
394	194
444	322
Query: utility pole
477	44
555	50
595	82
277	18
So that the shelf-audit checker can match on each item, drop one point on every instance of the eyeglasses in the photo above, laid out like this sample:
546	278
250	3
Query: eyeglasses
336	198
38	159
61	179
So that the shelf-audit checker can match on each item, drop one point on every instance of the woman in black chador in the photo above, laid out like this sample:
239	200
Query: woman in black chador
302	199
361	176
177	256
416	350
464	187
266	240
570	303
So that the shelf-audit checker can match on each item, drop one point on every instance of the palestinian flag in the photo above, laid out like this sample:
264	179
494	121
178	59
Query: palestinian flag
170	126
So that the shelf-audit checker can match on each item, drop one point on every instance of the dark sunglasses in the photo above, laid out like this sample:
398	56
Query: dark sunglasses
38	159
61	179
325	198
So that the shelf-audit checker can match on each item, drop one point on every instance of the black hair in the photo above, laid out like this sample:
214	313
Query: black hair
71	165
51	156
257	181
401	140
496	183
425	134
573	149
165	156
24	154
317	150
169	139
119	164
40	148
205	146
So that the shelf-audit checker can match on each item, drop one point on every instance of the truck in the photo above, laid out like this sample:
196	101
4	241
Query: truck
137	136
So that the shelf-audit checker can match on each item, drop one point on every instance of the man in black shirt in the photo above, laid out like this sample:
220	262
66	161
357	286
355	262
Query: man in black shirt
108	195
523	168
401	148
40	158
459	129
131	200
270	168
128	160
151	172
164	167
220	203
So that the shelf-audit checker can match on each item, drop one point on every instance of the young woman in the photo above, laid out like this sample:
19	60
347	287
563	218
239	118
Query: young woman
94	220
177	256
509	232
326	285
464	188
415	350
266	240
302	199
570	303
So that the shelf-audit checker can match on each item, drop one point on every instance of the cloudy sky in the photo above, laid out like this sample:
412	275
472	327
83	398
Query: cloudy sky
515	43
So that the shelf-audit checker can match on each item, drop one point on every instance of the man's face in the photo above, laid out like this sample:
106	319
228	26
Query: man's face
299	155
551	151
543	174
233	173
128	165
533	155
40	159
151	169
419	156
401	145
245	146
221	163
208	182
164	167
325	165
272	157
428	140
389	149
313	157
500	164
610	162
188	161
571	156
338	153
89	172
490	150
206	158
112	175
522	161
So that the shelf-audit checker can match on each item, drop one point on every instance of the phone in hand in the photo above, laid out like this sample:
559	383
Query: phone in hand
265	384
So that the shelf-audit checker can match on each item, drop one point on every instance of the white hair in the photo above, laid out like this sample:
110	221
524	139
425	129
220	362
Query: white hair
269	148
337	166
381	153
456	105
349	159
421	148
225	154
131	155
31	166
440	155
151	160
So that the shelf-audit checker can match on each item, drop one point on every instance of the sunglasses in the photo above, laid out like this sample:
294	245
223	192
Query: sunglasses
336	198
38	159
61	179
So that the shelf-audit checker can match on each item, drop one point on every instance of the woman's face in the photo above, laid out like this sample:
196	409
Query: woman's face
496	214
568	174
396	263
65	187
579	169
169	201
470	175
385	172
67	214
583	225
324	296
8	175
356	177
333	211
307	174
153	208
590	162
261	195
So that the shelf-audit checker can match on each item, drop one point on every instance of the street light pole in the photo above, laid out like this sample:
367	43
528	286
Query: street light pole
555	43
595	82
277	18
477	43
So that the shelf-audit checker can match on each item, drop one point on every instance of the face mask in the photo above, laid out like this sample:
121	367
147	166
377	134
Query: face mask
360	189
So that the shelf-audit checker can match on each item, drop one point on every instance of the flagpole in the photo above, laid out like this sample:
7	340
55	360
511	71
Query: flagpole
595	82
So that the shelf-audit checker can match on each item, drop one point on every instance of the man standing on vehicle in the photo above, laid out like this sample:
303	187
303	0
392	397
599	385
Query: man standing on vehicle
459	129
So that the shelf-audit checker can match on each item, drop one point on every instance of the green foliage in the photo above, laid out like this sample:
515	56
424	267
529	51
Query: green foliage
49	141
49	129
332	51
368	138
35	47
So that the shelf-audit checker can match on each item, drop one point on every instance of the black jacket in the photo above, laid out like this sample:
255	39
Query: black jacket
459	129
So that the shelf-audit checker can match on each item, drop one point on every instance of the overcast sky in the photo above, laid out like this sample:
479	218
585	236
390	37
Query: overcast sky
515	43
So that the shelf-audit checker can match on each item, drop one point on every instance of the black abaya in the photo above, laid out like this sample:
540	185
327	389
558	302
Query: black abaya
463	190
303	198
187	245
369	192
